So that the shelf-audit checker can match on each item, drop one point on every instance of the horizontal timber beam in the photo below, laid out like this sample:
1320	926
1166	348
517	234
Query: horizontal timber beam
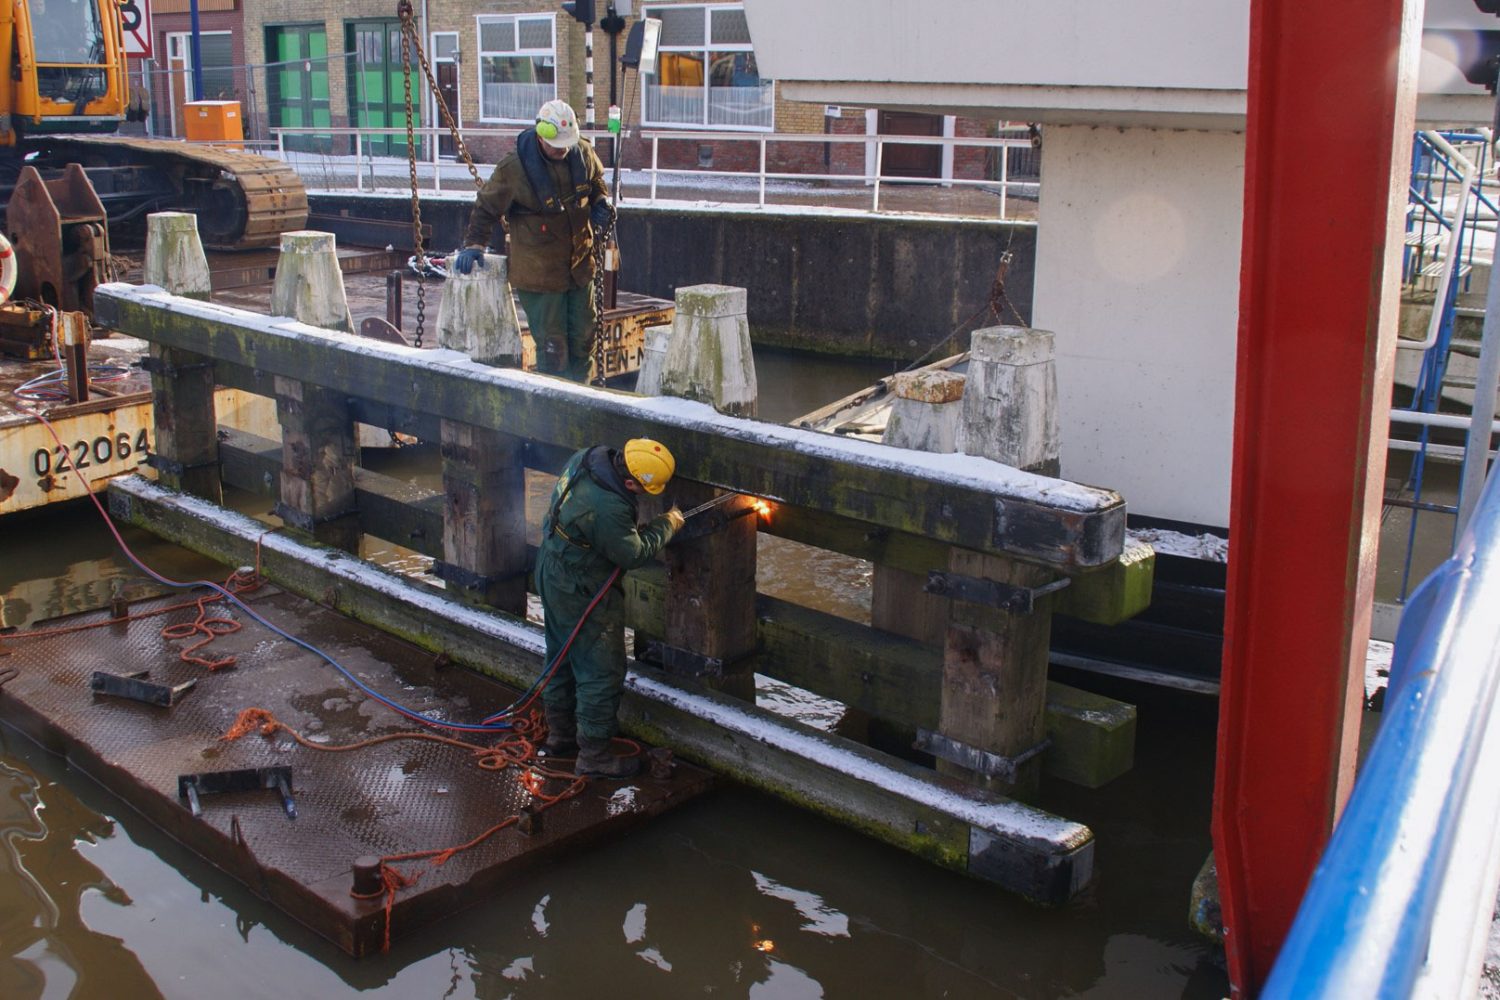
889	676
1024	850
898	679
958	499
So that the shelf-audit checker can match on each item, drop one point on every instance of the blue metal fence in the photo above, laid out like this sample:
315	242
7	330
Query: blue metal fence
1401	902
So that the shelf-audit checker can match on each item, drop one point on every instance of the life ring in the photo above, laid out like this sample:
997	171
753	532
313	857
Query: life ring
7	269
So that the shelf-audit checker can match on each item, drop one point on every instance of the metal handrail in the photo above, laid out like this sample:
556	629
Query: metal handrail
1400	903
871	178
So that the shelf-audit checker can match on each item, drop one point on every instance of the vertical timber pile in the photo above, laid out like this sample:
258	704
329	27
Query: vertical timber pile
991	723
484	477
318	446
926	415
186	450
710	603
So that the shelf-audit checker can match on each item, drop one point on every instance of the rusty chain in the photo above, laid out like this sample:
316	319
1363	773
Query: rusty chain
601	248
412	43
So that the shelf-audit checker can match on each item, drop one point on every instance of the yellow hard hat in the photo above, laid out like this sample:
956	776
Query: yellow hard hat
649	463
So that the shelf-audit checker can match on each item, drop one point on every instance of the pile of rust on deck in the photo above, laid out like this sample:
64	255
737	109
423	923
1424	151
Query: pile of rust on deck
390	799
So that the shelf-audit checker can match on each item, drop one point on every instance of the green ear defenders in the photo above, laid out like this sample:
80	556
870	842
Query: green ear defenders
545	129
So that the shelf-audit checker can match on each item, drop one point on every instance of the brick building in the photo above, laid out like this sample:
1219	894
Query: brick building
162	82
337	63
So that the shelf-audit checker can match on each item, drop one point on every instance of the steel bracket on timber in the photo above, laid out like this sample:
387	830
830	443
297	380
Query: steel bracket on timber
957	499
1027	851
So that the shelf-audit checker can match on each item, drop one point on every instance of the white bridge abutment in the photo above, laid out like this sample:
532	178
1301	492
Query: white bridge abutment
1138	267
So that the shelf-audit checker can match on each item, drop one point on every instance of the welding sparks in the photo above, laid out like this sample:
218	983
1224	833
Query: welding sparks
764	510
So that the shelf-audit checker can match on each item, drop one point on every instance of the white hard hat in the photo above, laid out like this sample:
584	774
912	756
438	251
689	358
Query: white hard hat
557	125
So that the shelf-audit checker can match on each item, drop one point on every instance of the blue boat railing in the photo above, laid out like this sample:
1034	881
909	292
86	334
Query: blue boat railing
1401	902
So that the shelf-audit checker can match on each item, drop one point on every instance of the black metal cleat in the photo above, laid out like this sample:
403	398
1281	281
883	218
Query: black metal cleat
248	779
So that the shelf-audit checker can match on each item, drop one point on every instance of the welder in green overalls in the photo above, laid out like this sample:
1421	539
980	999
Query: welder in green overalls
589	531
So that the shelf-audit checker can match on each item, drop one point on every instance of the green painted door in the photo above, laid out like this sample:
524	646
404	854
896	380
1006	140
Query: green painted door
297	82
377	88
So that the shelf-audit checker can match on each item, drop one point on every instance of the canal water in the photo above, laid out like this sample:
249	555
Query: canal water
735	895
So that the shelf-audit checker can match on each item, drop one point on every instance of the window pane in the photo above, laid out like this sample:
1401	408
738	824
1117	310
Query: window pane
513	87
536	33
497	36
736	93
217	50
680	25
443	46
729	27
674	94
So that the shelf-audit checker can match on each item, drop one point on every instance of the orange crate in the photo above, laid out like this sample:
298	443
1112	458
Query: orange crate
213	121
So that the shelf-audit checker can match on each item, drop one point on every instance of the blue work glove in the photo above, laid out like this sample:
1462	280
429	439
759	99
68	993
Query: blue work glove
602	214
466	259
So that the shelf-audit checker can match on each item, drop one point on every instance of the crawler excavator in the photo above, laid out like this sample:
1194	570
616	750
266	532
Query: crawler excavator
68	182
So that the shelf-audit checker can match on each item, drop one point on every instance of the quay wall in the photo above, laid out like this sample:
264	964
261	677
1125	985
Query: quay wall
877	286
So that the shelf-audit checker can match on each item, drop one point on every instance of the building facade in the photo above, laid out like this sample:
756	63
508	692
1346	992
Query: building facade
334	64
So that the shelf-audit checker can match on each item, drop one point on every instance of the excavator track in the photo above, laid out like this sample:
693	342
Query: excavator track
242	200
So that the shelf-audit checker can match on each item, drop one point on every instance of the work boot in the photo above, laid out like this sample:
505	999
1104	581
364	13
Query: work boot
562	734
597	759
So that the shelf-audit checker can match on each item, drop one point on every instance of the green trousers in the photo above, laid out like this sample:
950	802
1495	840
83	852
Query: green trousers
589	682
566	319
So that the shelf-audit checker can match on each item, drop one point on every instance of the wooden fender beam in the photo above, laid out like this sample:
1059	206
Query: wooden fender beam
973	502
1042	857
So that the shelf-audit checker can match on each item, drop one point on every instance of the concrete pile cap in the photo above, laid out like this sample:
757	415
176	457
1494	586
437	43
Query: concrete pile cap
711	301
929	387
172	222
307	241
1011	345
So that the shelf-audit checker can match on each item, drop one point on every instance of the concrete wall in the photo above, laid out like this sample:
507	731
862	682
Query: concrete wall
1140	230
884	287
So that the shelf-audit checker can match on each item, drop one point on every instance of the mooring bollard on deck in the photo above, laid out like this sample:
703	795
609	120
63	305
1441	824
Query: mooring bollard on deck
708	356
1010	405
309	284
185	446
484	473
477	314
318	446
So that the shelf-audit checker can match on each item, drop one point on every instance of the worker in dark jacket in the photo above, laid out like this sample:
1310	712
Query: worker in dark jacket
551	194
590	529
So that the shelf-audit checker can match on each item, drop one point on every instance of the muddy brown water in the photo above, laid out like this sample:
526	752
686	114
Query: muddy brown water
736	895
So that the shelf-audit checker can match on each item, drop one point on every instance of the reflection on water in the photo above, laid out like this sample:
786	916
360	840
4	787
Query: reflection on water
736	895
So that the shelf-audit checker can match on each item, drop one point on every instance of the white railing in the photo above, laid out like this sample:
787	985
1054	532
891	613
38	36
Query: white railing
847	181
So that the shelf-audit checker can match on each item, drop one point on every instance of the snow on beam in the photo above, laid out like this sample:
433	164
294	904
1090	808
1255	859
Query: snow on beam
1022	849
972	502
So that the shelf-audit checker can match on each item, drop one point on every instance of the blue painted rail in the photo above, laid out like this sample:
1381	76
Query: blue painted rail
1400	904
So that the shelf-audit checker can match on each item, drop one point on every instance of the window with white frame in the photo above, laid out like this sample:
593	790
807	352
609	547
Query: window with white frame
706	74
517	65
